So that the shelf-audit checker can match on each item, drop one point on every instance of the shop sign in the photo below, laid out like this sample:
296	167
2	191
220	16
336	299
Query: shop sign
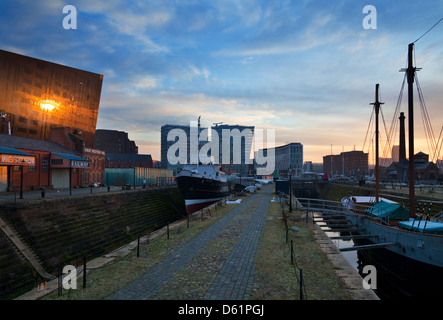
11	159
79	164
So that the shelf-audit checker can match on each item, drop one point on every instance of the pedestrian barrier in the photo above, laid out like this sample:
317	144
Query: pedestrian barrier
298	272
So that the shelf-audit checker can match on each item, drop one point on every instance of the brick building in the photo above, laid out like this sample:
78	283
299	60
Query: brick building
50	164
351	163
114	141
72	140
425	171
118	160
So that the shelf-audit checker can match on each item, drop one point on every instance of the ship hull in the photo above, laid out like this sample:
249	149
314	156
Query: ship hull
414	265
409	277
200	192
422	247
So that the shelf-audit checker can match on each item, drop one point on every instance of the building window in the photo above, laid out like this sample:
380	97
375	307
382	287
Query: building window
56	161
45	164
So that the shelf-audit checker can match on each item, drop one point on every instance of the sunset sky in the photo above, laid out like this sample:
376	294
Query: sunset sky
306	68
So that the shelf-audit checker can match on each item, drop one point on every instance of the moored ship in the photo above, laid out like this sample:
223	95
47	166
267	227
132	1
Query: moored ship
410	241
202	185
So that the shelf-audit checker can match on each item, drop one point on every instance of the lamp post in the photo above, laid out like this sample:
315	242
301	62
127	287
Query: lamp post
21	180
70	177
290	191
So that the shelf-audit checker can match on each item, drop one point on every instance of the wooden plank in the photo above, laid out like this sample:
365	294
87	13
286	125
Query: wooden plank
330	220
344	230
370	246
359	236
330	216
332	225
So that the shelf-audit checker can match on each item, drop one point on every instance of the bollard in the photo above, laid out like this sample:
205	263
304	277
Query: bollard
84	272
167	230
292	253
109	188
138	246
43	193
91	188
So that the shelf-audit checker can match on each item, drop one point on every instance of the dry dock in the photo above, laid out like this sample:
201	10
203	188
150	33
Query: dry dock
218	263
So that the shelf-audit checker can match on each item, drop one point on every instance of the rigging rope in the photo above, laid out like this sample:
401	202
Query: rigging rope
367	131
429	132
428	30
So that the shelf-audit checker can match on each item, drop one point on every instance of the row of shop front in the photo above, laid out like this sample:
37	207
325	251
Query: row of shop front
22	170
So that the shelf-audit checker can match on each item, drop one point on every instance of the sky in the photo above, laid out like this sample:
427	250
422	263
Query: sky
305	68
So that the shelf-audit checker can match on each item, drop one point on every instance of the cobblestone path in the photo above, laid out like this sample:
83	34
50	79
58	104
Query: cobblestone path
216	264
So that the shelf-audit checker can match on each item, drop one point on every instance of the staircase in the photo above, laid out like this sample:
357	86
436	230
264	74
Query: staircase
25	250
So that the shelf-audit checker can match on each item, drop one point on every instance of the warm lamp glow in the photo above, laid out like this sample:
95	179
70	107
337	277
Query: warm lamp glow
47	106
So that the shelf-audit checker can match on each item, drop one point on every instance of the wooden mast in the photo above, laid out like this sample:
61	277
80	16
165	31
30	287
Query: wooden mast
411	75
377	104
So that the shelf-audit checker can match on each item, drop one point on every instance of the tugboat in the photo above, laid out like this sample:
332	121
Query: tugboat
203	184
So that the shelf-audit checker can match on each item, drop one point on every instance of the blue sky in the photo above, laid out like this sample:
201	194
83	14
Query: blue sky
305	68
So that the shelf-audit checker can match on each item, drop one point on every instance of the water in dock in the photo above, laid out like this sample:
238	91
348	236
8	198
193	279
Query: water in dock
336	231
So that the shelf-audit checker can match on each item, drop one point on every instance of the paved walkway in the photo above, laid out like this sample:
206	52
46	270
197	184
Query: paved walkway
235	277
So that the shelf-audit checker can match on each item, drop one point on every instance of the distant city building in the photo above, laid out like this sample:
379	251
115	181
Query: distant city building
288	159
165	145
36	95
119	160
240	144
425	171
114	141
351	163
308	167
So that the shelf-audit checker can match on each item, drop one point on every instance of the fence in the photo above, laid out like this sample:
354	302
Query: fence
149	239
298	272
138	177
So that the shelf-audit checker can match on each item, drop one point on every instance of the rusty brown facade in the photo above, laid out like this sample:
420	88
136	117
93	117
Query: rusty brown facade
351	163
36	95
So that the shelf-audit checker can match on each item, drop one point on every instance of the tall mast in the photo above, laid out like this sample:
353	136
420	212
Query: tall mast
198	143
377	104
411	75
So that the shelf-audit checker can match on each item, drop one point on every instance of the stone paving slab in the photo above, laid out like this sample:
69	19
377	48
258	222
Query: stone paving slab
234	280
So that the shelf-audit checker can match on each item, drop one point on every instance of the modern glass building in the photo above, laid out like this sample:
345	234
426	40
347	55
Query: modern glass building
36	95
288	159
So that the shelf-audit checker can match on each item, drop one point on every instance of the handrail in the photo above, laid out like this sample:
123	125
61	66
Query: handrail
330	206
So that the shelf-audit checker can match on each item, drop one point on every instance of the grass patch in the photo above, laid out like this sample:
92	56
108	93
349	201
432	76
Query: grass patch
277	279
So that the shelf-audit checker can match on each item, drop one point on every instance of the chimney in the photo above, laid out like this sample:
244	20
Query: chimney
402	151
